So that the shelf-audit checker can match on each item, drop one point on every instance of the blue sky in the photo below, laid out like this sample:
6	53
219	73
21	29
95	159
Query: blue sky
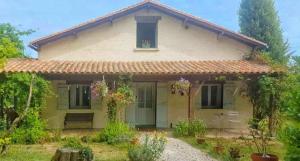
48	16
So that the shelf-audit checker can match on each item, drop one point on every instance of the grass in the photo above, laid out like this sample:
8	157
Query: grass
246	148
102	152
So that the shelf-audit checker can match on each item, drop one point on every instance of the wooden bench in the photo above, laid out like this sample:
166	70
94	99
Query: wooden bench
79	118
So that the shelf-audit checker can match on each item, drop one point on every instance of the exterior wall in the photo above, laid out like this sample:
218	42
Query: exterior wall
178	110
177	107
55	117
117	41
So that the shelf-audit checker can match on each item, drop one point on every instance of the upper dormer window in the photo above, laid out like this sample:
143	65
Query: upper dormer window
146	31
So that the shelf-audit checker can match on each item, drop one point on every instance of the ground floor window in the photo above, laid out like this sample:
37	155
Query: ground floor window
211	96
80	96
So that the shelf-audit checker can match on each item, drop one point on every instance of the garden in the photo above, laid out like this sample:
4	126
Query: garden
273	133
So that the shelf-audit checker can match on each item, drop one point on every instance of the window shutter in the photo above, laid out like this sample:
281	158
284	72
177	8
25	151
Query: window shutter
229	96
63	97
162	105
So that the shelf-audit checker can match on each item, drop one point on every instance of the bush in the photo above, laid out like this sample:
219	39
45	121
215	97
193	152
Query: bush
72	142
150	150
291	137
116	132
190	128
31	130
181	129
86	153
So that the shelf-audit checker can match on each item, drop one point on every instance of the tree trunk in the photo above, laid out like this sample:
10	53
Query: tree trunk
66	154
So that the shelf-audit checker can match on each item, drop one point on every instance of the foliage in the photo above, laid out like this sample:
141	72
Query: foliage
99	89
181	129
290	135
116	132
261	137
150	150
259	19
181	86
86	154
119	98
31	130
72	142
194	127
5	141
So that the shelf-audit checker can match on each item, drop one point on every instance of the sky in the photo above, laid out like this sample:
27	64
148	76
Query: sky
48	16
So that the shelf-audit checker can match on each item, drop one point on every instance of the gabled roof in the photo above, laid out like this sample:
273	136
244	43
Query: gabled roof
148	4
136	67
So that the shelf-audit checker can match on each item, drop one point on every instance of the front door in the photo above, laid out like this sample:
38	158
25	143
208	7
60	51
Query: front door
145	104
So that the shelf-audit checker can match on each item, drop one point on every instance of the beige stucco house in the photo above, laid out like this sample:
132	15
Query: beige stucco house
157	45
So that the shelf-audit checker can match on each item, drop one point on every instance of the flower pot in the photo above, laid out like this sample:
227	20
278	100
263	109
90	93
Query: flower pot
200	140
259	157
219	149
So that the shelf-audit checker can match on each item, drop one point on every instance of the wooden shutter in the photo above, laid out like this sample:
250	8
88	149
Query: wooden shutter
62	97
229	95
130	110
162	106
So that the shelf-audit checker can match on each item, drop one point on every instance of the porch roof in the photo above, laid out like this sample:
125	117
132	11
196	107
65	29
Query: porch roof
136	67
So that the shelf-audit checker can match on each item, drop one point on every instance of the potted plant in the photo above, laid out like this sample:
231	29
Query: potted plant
200	128
146	44
261	138
182	86
219	148
234	152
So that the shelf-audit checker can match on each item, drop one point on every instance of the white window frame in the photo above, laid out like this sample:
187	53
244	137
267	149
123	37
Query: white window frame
219	96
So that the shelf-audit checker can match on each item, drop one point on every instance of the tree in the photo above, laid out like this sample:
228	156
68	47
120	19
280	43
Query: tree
19	92
259	19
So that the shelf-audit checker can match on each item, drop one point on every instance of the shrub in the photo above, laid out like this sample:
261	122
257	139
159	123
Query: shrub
197	127
85	152
181	129
31	130
150	150
72	142
190	128
291	137
116	132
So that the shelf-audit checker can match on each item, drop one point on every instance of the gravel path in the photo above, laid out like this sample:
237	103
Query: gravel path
177	150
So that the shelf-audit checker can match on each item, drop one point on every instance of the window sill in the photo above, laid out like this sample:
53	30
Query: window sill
146	49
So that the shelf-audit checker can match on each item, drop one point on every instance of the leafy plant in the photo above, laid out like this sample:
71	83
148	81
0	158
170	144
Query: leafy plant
190	128
116	132
181	129
290	135
86	154
182	86
261	137
31	130
72	142
234	152
197	127
150	150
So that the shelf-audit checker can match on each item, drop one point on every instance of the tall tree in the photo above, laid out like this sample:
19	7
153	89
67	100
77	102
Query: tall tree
259	19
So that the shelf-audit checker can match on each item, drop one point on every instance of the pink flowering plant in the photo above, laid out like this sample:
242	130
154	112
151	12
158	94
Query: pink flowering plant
99	89
182	86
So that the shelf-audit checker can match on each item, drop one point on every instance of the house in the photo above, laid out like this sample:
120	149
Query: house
157	45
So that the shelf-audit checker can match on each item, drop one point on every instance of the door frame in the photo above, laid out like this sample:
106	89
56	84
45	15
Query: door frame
154	101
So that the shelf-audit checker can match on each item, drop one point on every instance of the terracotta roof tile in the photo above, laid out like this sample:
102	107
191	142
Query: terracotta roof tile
135	67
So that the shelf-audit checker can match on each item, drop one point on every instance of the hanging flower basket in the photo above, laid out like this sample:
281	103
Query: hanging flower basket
99	89
181	87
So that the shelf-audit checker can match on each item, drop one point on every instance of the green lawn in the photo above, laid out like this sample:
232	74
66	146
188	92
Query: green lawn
246	148
38	152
